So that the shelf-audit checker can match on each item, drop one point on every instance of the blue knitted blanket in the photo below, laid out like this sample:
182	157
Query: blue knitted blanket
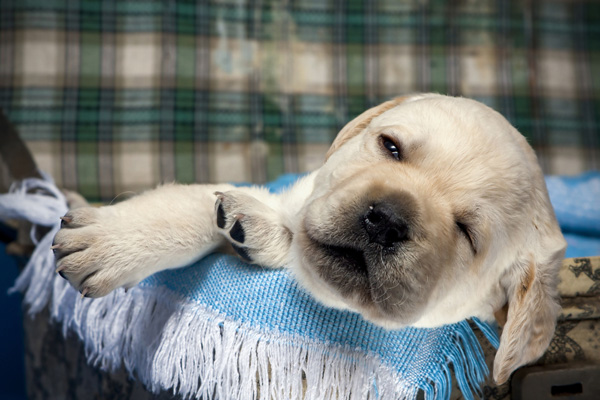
576	201
224	329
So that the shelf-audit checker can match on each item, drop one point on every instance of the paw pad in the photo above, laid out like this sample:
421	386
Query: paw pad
237	232
221	217
242	252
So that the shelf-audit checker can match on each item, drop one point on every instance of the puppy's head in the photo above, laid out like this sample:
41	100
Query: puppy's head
429	210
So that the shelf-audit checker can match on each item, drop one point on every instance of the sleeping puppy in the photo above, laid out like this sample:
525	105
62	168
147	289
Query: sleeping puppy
428	210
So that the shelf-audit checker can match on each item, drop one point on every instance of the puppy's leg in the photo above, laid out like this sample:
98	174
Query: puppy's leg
255	228
101	249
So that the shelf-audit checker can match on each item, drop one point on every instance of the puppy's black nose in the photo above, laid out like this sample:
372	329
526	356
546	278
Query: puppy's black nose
384	226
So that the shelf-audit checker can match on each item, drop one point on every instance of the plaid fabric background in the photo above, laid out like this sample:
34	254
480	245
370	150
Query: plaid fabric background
116	96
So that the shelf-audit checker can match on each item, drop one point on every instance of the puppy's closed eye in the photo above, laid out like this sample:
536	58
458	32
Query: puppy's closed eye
468	233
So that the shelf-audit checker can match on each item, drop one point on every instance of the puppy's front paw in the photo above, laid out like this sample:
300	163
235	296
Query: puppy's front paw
253	229
85	249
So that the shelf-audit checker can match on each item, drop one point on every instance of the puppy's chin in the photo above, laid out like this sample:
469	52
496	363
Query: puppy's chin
375	282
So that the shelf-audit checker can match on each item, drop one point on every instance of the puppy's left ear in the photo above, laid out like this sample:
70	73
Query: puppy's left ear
532	311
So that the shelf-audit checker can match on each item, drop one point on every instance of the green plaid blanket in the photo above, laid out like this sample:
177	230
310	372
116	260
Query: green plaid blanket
115	96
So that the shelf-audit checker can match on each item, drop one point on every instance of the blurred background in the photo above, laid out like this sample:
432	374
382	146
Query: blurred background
118	96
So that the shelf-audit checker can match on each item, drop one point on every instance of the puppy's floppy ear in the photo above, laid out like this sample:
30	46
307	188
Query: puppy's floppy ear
359	123
532	311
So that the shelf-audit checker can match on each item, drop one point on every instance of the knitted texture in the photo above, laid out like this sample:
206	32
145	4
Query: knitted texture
577	208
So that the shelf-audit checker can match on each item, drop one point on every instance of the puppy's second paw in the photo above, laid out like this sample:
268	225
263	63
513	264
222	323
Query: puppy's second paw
254	229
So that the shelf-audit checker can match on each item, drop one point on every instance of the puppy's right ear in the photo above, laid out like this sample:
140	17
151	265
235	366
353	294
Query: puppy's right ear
359	123
532	311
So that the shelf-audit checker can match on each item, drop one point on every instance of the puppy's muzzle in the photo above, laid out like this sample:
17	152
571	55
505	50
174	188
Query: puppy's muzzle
384	225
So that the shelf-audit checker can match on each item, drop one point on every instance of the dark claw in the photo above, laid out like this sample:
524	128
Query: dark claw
64	221
62	275
237	232
242	252
88	277
59	254
220	217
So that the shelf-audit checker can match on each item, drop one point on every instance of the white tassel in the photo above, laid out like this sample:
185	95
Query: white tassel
26	201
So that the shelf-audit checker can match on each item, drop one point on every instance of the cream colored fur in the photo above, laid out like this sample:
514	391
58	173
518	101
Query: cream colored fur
461	163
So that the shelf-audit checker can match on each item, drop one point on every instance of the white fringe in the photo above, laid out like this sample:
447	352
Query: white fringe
41	203
170	344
